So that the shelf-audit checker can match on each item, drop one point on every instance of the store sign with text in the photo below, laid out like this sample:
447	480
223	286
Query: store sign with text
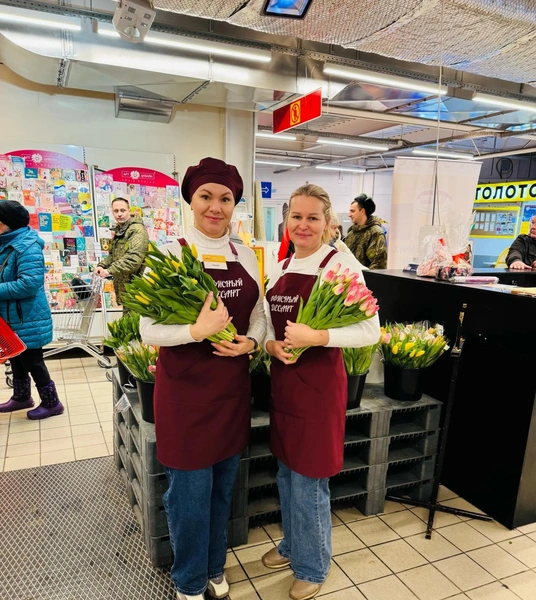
517	191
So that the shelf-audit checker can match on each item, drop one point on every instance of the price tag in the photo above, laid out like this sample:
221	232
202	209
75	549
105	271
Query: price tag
214	261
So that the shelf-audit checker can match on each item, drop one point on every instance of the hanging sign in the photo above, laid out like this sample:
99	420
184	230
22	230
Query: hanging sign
298	112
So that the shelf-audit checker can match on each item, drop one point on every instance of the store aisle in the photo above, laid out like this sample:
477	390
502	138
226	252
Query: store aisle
83	431
94	547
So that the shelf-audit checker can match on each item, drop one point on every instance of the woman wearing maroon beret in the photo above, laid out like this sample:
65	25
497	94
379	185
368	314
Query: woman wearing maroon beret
202	398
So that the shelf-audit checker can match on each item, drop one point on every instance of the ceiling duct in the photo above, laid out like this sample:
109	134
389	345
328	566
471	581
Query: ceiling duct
134	103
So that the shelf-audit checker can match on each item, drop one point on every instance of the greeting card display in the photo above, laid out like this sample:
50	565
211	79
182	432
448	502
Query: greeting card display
152	195
55	190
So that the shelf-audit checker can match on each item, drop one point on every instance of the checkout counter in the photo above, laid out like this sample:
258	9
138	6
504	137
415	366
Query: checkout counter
491	447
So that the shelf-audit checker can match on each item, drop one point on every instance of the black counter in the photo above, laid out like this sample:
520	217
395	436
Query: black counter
511	276
491	448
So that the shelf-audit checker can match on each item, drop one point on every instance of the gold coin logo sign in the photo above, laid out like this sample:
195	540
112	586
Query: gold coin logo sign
295	112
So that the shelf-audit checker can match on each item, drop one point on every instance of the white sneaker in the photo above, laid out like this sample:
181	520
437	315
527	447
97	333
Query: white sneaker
218	590
185	597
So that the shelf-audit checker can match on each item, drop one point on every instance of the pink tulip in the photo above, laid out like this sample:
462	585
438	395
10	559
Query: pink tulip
338	289
336	268
386	338
330	276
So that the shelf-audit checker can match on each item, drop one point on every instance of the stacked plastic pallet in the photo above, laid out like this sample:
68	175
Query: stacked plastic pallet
390	447
146	481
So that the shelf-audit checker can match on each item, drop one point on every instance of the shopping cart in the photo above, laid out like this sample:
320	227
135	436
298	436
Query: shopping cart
73	307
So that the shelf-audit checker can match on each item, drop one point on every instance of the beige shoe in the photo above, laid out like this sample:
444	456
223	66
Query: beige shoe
303	590
274	560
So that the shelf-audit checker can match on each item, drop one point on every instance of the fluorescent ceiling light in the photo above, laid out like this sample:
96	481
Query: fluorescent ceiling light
504	102
24	17
277	164
444	154
349	144
276	136
356	170
381	79
205	47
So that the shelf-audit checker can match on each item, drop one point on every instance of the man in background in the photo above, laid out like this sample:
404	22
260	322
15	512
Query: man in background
366	238
128	248
522	253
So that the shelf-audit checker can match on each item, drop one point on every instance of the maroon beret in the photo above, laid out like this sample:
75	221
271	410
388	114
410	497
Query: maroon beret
212	170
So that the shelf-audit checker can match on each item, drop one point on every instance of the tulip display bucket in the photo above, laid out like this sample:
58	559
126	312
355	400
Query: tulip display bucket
261	390
356	385
124	373
402	384
145	396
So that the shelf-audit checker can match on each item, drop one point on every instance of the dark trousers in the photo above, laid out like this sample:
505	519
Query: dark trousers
31	362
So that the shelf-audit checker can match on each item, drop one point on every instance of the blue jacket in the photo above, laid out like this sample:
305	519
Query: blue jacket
23	304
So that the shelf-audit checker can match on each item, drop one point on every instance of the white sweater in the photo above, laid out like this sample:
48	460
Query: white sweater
361	334
175	335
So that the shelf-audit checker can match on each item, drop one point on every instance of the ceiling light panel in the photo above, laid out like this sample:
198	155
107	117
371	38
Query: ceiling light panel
381	79
443	154
345	169
277	164
352	144
504	102
276	136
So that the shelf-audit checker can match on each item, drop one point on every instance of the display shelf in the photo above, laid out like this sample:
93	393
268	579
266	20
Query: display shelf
388	446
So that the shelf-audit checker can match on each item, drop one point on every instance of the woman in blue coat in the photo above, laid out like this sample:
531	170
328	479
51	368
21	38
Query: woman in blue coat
24	306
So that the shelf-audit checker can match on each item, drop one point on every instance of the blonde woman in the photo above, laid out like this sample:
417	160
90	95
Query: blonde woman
307	416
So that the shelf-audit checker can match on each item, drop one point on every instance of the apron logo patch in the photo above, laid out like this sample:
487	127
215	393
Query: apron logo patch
229	288
283	304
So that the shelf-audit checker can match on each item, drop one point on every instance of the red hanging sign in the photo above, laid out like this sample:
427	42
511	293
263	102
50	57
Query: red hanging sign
298	112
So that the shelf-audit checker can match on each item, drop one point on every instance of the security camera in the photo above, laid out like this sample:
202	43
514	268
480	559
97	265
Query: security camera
133	19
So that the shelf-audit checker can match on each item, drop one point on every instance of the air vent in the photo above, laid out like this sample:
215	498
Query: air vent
142	105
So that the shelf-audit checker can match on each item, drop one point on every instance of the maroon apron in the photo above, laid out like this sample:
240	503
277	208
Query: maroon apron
202	402
307	416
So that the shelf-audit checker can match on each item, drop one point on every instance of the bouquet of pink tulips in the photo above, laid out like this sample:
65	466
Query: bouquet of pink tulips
337	300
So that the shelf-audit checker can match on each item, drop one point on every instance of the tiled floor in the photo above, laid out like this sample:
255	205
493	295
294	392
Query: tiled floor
384	557
84	430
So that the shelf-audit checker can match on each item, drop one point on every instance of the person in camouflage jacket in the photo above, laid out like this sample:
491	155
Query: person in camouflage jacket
128	248
366	238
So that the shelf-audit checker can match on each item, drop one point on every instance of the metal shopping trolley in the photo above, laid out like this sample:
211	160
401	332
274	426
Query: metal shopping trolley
73	307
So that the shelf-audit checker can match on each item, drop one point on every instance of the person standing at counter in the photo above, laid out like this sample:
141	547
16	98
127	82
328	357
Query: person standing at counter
366	238
522	253
309	397
202	398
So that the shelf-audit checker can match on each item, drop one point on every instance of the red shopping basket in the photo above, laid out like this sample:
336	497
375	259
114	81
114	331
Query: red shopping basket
10	343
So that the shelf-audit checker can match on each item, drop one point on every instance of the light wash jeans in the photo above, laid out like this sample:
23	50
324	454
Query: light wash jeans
306	516
198	507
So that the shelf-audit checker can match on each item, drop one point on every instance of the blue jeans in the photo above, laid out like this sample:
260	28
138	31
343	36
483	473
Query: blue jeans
306	516
198	507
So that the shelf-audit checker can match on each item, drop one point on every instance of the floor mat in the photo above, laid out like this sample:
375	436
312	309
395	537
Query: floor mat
67	532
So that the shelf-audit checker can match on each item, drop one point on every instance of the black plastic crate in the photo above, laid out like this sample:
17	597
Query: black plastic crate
242	477
127	462
134	440
156	521
365	425
372	452
263	473
259	445
414	419
159	550
415	445
238	532
148	449
401	474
